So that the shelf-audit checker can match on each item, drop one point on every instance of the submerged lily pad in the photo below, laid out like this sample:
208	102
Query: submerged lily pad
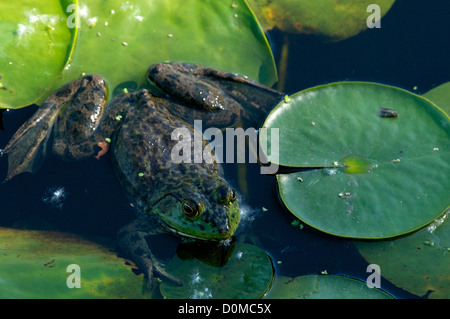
244	271
34	264
35	43
373	176
323	287
419	262
333	20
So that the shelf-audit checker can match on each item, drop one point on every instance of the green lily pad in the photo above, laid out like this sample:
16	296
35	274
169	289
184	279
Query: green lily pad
440	96
244	272
419	262
374	177
35	44
333	20
323	287
34	264
120	40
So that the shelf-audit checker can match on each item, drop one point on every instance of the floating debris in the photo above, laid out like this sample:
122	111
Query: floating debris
428	243
92	22
329	171
296	223
385	112
55	196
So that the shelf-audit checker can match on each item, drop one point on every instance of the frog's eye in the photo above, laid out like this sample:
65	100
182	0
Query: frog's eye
192	210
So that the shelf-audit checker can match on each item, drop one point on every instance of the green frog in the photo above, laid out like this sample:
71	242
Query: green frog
188	199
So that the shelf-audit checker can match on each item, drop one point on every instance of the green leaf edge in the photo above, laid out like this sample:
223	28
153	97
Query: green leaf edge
354	237
73	43
266	41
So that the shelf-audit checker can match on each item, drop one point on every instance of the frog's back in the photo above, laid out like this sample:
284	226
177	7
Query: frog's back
143	146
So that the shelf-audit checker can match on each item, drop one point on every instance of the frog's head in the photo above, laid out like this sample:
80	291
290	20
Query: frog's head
203	209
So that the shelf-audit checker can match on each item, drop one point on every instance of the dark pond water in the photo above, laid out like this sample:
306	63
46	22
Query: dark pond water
411	49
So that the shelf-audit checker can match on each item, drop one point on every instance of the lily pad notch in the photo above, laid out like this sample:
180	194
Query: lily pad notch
372	174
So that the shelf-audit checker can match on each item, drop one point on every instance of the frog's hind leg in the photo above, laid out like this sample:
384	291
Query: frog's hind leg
90	123
80	120
231	97
28	147
132	242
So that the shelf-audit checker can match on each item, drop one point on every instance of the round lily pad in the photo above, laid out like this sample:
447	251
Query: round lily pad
239	271
380	158
38	264
323	287
418	263
35	42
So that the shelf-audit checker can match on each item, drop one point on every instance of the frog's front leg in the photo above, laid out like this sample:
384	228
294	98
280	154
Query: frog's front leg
132	241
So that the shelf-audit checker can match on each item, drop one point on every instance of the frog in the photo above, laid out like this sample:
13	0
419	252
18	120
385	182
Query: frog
189	199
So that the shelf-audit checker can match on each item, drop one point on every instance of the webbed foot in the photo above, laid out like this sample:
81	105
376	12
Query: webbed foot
132	242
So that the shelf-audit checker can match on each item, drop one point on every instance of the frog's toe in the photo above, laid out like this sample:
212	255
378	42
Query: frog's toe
161	272
104	148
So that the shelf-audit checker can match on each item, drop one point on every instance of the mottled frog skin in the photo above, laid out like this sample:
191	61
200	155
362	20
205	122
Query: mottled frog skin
220	99
188	199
